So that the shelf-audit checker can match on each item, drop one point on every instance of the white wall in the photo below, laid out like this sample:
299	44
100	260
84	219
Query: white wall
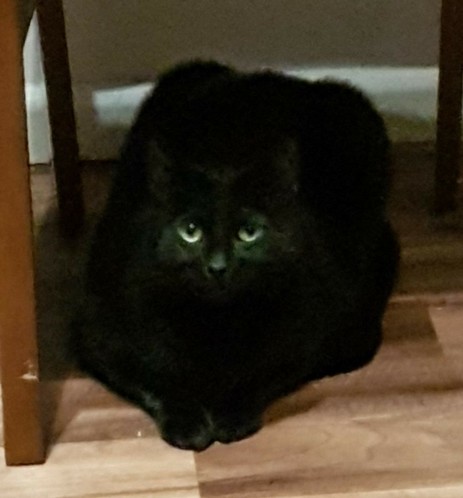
387	47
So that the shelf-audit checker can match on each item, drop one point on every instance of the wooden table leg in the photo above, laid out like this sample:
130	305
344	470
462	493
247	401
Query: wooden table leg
18	342
448	140
61	113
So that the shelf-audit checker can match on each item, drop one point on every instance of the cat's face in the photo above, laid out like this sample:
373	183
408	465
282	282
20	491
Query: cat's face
218	258
218	246
229	229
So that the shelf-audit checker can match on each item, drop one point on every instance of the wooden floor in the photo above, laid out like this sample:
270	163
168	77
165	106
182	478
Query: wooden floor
393	429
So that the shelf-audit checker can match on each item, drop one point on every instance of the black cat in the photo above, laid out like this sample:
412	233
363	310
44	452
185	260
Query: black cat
244	249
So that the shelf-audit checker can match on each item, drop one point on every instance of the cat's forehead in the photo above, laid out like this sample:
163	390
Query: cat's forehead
231	179
253	174
235	162
215	194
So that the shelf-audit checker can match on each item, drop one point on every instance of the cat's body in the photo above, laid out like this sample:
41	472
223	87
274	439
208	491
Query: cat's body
243	252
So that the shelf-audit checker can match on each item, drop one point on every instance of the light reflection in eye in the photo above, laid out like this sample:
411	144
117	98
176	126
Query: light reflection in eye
190	233
250	233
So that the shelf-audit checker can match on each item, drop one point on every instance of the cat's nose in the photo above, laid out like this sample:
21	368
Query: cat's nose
216	272
217	265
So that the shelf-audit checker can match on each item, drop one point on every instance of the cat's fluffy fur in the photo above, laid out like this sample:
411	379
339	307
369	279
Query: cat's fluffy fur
204	354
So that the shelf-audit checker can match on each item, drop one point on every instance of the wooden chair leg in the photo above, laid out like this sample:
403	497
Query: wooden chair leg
18	343
448	140
61	114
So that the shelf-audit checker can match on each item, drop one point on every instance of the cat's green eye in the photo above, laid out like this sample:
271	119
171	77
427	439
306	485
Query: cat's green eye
190	233
250	233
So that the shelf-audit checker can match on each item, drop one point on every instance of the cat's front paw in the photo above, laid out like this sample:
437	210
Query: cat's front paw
235	427
185	432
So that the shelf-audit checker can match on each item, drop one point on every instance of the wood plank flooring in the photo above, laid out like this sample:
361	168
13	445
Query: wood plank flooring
394	428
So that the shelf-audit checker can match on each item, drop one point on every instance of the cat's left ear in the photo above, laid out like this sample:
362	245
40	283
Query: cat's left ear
290	165
158	168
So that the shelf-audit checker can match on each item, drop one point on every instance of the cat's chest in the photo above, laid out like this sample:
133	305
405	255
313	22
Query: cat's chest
224	331
221	338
